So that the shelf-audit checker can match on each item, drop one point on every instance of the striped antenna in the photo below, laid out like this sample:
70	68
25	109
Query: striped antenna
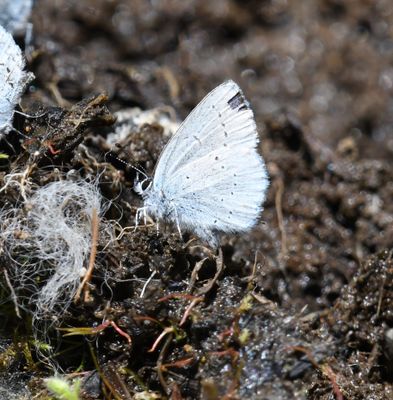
111	155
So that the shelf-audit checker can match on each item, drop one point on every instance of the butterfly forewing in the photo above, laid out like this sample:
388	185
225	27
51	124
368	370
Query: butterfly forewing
191	133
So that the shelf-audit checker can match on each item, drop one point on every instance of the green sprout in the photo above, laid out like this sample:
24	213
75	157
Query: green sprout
63	390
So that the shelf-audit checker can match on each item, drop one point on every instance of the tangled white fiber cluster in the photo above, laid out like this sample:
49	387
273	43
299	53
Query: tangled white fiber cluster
48	242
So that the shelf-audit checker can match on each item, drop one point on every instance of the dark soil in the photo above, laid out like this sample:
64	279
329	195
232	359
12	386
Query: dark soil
299	308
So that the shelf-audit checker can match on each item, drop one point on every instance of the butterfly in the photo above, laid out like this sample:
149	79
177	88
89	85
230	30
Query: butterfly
210	178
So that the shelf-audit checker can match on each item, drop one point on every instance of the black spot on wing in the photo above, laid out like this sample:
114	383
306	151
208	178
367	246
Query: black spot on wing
238	102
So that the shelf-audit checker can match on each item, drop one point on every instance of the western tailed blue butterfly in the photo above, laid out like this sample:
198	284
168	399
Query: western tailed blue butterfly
210	178
13	79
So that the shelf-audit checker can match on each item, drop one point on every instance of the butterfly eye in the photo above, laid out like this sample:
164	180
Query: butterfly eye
146	183
141	186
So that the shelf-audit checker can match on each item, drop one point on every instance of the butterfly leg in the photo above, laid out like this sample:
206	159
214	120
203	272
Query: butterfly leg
140	211
177	222
136	219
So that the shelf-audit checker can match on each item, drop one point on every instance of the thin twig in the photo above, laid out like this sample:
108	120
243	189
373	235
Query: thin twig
121	332
13	294
327	370
189	308
147	283
93	253
102	375
220	267
381	290
249	279
166	331
160	363
280	217
94	102
194	274
52	86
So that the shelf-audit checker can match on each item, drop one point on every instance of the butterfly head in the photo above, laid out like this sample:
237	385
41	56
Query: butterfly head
142	186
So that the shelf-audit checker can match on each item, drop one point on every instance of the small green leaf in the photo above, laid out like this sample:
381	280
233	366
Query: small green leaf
62	389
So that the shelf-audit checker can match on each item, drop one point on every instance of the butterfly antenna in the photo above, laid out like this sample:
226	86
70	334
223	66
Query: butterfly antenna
138	170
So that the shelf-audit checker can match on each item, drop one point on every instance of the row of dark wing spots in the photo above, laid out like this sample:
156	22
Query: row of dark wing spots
224	129
234	102
221	122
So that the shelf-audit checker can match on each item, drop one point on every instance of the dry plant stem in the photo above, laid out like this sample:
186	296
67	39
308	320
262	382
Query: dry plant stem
104	379
166	331
113	324
194	274
229	352
280	218
249	279
307	352
332	377
177	296
160	363
178	364
172	82
13	294
372	358
220	268
194	302
121	332
23	180
189	308
381	292
93	253
325	369
117	382
25	175
53	88
146	284
124	231
96	101
176	394
188	243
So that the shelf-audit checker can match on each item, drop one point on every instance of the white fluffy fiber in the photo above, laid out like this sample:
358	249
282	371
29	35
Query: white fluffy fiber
130	120
48	242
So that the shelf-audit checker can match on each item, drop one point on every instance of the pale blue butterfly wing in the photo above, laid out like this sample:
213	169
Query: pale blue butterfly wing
210	177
